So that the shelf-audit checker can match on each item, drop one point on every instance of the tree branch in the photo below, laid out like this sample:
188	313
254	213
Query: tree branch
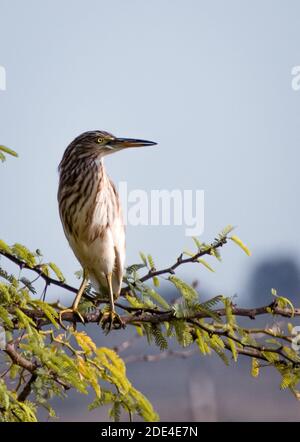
37	269
27	389
139	315
30	366
19	359
180	260
155	316
152	272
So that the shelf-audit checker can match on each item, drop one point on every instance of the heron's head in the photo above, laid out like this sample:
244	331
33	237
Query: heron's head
101	143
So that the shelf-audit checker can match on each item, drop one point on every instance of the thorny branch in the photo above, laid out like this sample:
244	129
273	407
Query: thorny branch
30	367
18	359
149	314
38	270
151	273
140	315
27	389
155	316
180	260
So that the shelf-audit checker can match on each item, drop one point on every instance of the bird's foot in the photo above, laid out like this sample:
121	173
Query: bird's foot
69	310
111	320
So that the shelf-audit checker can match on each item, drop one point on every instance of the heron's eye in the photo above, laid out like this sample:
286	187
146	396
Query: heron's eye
100	140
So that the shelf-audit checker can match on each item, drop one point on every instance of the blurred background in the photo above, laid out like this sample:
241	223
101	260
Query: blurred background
211	82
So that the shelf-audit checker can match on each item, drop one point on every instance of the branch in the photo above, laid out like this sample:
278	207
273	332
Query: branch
30	366
140	315
137	316
19	359
36	269
27	389
151	315
180	260
247	349
152	272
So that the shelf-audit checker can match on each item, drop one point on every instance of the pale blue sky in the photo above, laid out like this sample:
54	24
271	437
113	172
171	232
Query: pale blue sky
210	81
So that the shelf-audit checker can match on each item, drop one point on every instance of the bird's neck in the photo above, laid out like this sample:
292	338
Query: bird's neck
103	178
100	167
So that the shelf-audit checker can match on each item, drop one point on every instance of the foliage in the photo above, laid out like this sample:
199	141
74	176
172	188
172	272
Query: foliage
6	150
43	359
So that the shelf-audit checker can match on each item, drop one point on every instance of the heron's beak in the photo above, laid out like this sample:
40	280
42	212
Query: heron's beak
123	143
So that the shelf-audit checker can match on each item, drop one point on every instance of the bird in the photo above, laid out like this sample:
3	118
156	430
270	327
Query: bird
91	216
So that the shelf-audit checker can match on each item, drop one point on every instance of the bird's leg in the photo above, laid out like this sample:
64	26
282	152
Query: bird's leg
111	318
74	307
110	292
80	292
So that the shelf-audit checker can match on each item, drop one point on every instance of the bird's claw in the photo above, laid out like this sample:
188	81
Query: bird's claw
69	310
111	320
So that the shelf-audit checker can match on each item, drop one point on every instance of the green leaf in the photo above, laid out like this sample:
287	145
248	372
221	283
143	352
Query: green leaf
44	268
228	310
8	150
255	368
233	349
14	371
239	242
134	302
85	342
24	320
4	247
24	254
203	262
287	381
143	406
156	281
188	292
151	262
57	271
197	242
115	411
215	252
212	302
182	309
49	311
183	333
271	356
143	258
216	343
4	315
159	339
159	299
202	345
283	302
286	303
225	232
207	311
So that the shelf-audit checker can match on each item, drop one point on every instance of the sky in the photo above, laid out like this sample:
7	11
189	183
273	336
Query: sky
209	81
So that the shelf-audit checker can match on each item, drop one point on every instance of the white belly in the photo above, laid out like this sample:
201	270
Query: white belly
101	256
